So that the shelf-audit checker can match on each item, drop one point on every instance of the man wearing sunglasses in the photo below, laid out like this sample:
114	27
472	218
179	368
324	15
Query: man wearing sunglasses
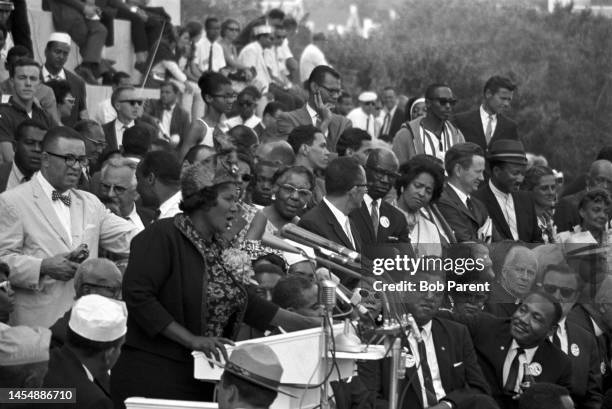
128	106
44	224
363	116
565	285
246	103
432	134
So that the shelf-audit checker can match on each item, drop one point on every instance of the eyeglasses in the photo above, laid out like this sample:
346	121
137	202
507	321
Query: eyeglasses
225	96
109	289
71	160
332	91
97	143
246	103
5	286
289	190
445	101
119	190
233	29
69	100
132	102
566	292
363	185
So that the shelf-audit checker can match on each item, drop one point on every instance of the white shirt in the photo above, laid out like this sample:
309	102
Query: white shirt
166	118
342	220
61	210
104	112
364	121
462	196
385	126
47	76
506	203
171	206
432	361
369	201
202	52
15	177
284	53
135	219
525	358
311	57
314	116
252	55
272	61
251	122
484	118
120	128
562	334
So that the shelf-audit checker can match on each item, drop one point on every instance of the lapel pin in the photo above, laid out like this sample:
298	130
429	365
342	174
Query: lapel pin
384	222
575	350
535	368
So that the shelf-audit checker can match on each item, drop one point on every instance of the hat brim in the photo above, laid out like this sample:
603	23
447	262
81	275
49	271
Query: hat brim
508	159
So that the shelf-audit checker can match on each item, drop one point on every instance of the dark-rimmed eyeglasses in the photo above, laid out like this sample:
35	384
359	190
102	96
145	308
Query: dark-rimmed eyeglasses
71	160
446	101
289	190
132	102
332	91
565	292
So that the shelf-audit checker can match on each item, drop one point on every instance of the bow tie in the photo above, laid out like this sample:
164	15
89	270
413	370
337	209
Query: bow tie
64	198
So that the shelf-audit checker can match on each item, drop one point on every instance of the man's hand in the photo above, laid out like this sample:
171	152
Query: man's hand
324	110
58	267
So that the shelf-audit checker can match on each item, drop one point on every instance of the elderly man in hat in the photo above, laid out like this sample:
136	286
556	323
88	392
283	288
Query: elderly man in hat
24	356
56	55
251	378
362	117
95	276
252	55
512	210
95	334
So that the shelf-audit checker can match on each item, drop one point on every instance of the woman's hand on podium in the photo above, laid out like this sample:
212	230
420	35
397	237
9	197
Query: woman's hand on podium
211	346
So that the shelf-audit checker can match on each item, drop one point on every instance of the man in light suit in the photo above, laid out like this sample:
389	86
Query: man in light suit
488	123
323	92
44	221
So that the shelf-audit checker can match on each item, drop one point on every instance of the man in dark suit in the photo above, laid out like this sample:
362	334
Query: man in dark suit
173	119
505	345
467	216
56	55
566	215
512	210
392	114
575	341
96	324
441	366
376	220
323	91
28	148
345	181
488	123
126	102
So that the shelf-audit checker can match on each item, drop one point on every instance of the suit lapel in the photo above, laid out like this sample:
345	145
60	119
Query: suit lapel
496	213
367	220
479	132
303	116
440	339
452	195
411	374
338	230
76	218
501	347
47	210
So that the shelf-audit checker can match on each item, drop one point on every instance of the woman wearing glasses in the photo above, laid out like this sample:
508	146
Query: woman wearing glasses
229	31
219	97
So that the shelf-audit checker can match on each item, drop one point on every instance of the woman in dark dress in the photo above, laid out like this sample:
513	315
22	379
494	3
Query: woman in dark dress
182	295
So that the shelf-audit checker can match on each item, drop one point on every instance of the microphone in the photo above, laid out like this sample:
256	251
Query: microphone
293	232
327	294
275	242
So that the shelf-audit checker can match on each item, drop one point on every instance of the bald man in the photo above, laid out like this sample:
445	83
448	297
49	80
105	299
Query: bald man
566	212
516	279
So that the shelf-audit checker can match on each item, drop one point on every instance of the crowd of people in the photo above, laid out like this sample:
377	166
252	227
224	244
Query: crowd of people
134	232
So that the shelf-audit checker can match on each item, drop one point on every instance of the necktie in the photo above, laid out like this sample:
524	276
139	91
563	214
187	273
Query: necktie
489	131
55	195
427	378
210	57
510	384
469	204
556	339
374	216
349	233
384	130
368	125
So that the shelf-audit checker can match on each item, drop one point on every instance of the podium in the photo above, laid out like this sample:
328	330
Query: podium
301	356
145	403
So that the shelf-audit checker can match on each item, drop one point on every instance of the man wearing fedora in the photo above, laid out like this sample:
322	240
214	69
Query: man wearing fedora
251	378
512	211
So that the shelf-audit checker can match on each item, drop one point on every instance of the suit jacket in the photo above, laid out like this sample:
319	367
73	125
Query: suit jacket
566	212
464	223
471	126
179	122
524	209
5	172
492	339
396	123
460	374
66	371
289	120
30	231
111	137
397	228
586	371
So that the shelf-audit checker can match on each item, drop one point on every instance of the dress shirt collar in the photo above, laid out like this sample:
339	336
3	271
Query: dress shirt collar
462	196
134	217
48	76
529	352
391	111
46	186
170	203
368	201
484	115
340	217
313	114
119	125
171	109
19	176
499	193
596	328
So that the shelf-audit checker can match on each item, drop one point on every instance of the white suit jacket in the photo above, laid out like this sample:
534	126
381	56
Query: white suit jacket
31	231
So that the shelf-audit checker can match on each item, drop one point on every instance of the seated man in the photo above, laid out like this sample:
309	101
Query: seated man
173	120
298	294
441	366
96	331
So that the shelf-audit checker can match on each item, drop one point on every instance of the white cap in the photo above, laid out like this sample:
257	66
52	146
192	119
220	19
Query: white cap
368	96
263	29
60	38
98	318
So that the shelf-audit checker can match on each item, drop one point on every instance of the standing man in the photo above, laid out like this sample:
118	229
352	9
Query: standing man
208	52
432	134
25	76
43	224
56	55
312	56
468	217
324	88
173	120
363	116
392	115
28	149
511	209
489	123
127	104
159	183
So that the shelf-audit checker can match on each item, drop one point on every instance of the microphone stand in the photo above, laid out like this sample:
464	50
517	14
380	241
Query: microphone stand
327	297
